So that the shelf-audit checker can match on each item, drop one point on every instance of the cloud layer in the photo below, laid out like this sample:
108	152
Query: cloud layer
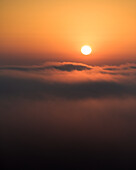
58	66
67	110
68	80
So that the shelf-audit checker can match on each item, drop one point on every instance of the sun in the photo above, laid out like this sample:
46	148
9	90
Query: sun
86	50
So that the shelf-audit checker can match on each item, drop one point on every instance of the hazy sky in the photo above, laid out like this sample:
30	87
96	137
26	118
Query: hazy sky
61	27
58	103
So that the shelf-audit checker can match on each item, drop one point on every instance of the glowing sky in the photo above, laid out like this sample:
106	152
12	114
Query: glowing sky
61	27
58	103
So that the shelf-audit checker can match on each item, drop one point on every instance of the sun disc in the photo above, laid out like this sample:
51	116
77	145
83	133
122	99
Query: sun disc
86	50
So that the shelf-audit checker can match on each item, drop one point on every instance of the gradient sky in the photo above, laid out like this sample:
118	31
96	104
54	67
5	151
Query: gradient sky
61	27
58	103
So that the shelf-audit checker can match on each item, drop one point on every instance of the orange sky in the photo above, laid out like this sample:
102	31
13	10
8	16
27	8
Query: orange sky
61	27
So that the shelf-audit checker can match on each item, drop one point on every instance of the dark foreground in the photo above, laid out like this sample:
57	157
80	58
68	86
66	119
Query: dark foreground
66	157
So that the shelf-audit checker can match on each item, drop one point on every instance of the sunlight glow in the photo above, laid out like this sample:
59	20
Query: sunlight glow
86	50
